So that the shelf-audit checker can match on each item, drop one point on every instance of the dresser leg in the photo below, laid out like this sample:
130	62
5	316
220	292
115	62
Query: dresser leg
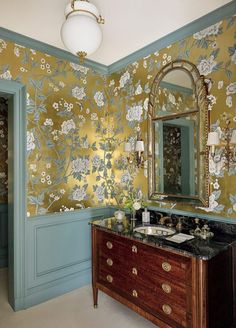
95	297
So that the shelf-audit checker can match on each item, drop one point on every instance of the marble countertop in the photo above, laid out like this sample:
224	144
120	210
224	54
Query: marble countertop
203	249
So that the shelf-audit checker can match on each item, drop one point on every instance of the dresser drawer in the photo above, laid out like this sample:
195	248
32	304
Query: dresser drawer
171	266
155	300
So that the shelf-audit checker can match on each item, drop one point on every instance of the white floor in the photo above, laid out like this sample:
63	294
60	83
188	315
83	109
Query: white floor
72	310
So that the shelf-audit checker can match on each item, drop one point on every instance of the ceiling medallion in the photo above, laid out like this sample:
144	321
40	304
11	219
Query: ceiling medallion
81	32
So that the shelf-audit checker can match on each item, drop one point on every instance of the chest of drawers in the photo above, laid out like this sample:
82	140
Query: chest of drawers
170	289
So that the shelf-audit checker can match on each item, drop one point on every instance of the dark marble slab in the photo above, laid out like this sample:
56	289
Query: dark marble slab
224	235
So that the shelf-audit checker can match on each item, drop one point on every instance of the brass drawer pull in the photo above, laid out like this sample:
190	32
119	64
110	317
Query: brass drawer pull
166	309
109	245
166	288
166	266
135	294
135	271
134	249
109	262
109	278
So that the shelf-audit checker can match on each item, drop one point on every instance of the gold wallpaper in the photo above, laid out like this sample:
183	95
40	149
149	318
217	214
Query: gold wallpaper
78	120
213	51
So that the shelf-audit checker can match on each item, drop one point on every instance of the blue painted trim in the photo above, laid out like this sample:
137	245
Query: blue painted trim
16	186
211	217
51	50
193	27
176	87
82	214
61	287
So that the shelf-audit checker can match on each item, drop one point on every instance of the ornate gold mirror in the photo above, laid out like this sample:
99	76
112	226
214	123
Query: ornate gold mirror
177	133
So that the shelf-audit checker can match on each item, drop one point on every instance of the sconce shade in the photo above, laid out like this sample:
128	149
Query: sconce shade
128	147
213	139
139	145
233	138
81	33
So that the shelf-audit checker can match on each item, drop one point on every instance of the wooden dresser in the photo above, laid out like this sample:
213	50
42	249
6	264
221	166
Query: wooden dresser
170	289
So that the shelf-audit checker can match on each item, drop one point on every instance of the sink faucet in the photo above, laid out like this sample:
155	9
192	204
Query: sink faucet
163	220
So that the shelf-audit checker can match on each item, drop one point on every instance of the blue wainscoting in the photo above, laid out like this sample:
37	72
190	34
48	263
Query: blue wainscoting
58	254
3	235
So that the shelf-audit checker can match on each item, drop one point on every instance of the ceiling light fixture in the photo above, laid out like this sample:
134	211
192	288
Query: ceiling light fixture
81	33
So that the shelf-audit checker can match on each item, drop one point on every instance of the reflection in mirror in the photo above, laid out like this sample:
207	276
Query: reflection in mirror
177	130
176	155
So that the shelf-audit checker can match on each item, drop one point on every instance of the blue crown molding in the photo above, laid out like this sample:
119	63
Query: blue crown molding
195	26
51	50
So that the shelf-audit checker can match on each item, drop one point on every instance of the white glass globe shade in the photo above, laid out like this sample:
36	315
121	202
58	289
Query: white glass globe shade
81	33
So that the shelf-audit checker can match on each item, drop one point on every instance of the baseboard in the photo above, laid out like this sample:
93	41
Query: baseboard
48	292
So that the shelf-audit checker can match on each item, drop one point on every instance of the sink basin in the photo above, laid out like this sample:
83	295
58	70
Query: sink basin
155	231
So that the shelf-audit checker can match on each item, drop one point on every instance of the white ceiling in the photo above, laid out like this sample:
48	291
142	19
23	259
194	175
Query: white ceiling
129	24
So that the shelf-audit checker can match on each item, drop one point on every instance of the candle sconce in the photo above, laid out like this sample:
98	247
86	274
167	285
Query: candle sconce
135	153
228	141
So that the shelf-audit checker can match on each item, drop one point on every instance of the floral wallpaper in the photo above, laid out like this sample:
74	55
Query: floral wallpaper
213	51
78	121
3	150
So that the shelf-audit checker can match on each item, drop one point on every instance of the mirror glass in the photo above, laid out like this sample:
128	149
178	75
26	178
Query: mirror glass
177	124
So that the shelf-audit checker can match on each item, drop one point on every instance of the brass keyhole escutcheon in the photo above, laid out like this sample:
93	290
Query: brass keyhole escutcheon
166	288
109	278
135	271
135	293
109	262
166	309
166	266
134	249
109	245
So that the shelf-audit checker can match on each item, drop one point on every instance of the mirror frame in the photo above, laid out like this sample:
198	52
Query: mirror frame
200	91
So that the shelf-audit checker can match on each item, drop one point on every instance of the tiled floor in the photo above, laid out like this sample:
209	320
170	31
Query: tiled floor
72	310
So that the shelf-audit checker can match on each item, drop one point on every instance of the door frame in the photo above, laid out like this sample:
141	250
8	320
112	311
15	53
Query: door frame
16	93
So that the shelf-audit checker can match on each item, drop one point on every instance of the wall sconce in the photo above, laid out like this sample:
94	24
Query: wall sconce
229	139
135	154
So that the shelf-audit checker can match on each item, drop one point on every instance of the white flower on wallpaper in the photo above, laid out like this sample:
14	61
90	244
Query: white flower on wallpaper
214	206
172	99
134	113
125	178
67	126
79	68
79	193
138	90
220	84
94	116
145	104
233	57
96	161
231	88
48	121
124	79
211	30
100	193
99	98
3	45
78	93
80	165
30	141
229	101
206	66
216	166
6	75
